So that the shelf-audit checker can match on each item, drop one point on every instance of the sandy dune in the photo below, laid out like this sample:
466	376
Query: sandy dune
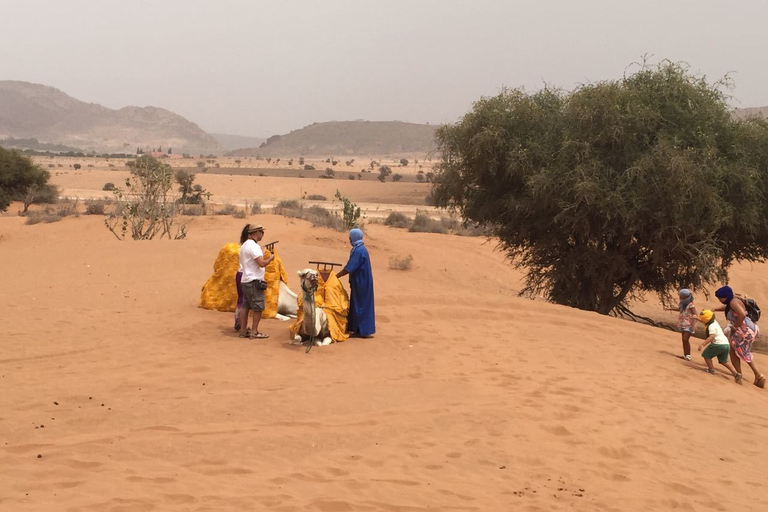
117	393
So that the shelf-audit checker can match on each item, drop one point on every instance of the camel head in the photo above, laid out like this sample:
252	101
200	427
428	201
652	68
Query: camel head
308	278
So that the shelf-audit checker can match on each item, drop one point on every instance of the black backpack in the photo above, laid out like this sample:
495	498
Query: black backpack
753	310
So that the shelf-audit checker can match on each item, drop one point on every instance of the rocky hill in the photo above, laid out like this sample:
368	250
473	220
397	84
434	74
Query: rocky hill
741	113
37	111
338	138
231	142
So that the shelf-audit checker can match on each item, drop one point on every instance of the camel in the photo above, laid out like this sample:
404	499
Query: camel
315	323
287	303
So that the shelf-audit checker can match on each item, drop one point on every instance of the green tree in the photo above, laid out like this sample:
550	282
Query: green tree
20	179
617	189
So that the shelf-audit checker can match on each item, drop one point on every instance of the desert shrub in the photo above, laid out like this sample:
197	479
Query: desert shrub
77	166
615	190
51	166
255	208
403	162
95	206
316	197
399	263
422	223
227	209
288	204
351	213
36	217
193	210
309	167
59	165
301	160
397	220
239	214
351	177
420	176
397	177
147	208
66	208
330	172
109	187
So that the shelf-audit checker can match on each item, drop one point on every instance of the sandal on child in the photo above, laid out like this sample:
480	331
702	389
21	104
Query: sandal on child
738	378
760	381
259	336
711	372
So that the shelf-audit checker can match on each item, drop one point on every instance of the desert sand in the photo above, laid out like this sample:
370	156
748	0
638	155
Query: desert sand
117	393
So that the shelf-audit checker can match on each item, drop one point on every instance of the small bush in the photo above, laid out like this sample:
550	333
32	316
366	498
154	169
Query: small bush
77	166
193	210
309	167
351	177
95	206
403	162
288	204
36	217
227	209
255	208
67	208
316	197
397	263
422	223
397	177
239	214
109	187
397	220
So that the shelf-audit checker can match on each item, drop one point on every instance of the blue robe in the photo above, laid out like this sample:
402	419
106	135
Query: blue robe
362	318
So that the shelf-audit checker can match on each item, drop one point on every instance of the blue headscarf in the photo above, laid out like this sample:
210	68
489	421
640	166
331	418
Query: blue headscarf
686	297
356	237
725	292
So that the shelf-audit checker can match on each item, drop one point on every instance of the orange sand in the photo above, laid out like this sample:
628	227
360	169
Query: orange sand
117	393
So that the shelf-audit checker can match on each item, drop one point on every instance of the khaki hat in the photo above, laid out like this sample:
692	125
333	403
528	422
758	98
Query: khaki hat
253	229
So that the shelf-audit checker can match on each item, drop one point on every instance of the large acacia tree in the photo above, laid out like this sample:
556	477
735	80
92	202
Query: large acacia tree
20	178
644	184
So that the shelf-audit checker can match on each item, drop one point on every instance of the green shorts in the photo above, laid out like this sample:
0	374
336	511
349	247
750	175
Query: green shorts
719	351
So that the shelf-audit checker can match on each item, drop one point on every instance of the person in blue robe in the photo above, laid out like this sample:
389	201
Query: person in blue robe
362	317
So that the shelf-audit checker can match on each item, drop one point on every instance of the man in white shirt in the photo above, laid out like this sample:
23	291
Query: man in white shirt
253	284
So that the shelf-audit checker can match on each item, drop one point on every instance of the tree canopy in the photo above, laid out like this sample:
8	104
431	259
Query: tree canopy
644	184
19	177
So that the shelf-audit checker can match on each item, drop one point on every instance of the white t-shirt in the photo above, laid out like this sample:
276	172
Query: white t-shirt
249	251
715	330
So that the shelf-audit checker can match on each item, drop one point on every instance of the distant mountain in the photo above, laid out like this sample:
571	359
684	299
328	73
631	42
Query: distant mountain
37	111
232	142
741	113
338	138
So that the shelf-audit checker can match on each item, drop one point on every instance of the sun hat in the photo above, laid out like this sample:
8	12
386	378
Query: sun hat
257	227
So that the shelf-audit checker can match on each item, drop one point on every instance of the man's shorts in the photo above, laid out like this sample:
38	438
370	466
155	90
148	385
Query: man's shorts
719	351
253	298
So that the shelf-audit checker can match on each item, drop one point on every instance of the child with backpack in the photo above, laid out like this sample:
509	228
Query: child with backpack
686	319
716	345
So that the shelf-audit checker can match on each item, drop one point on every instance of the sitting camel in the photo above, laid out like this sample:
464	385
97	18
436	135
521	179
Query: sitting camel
287	303
315	323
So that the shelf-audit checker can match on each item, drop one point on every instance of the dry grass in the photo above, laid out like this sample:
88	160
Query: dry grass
400	263
317	215
397	220
36	217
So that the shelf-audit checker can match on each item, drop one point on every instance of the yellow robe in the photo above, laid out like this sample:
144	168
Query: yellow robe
334	300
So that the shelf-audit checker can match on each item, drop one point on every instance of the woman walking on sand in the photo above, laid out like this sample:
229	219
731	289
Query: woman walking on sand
686	319
743	331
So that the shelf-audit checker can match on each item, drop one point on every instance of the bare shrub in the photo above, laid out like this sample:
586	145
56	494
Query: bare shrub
95	206
36	217
67	208
316	197
193	210
422	223
398	263
397	220
227	209
109	187
254	207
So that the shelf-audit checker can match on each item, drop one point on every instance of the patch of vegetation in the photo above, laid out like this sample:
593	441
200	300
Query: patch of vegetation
400	263
397	220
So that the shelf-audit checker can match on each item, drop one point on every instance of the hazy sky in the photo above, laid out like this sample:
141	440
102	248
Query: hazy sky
254	67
